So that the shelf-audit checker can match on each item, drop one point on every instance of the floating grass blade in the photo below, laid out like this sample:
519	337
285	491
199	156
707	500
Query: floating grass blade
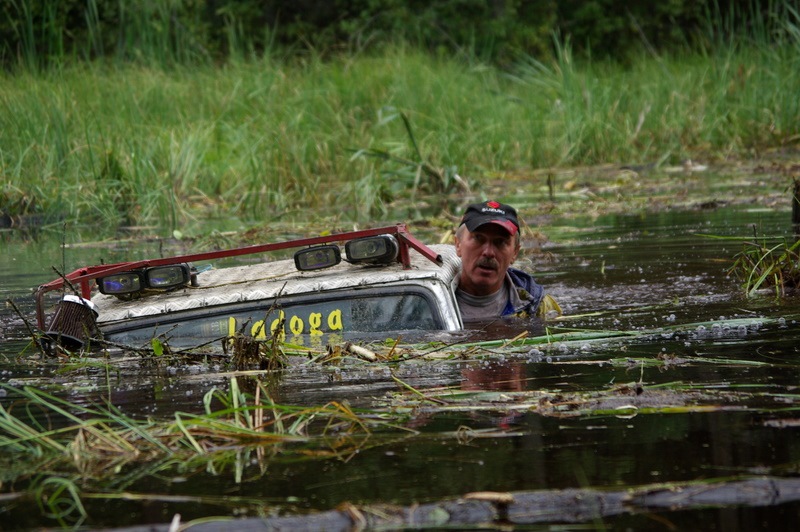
59	499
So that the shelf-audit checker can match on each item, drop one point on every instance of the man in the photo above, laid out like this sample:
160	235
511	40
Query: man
488	241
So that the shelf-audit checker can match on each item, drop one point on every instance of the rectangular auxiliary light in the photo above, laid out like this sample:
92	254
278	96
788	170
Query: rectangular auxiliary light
165	277
317	257
121	283
381	249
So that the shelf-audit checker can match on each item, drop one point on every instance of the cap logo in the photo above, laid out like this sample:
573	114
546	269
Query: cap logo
493	207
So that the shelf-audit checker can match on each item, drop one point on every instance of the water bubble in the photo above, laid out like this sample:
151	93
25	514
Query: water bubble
535	355
782	322
742	330
549	360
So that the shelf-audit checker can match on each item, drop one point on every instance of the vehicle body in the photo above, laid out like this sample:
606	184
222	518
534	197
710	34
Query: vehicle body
410	289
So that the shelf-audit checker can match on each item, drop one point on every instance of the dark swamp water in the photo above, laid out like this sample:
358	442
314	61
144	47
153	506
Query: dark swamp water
702	391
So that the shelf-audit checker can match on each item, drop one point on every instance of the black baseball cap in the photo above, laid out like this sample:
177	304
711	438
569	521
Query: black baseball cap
491	212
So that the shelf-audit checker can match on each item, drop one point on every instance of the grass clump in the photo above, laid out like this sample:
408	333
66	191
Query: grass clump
762	266
98	435
66	452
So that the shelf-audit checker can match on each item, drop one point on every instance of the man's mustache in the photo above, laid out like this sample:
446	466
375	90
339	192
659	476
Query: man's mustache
488	263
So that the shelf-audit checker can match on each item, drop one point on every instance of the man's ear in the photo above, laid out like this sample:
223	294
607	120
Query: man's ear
458	245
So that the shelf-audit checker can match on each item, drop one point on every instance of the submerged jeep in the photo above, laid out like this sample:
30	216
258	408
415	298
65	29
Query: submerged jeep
383	281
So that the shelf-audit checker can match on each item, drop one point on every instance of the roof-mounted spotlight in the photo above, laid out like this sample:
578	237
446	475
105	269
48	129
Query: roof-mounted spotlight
127	284
317	257
167	277
121	284
381	249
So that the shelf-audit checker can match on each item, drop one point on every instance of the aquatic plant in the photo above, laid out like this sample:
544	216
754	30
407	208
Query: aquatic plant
102	432
247	351
762	266
62	441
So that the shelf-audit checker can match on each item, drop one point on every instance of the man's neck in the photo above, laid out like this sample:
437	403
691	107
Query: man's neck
484	307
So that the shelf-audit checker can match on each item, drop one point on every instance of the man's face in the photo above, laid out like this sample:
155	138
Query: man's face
486	254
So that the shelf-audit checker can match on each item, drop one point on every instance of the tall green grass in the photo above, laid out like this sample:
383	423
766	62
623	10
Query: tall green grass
273	138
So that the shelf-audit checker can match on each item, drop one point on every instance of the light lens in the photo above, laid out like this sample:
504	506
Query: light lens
317	258
164	277
381	249
120	283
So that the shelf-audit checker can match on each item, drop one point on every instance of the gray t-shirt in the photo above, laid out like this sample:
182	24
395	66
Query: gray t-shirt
478	308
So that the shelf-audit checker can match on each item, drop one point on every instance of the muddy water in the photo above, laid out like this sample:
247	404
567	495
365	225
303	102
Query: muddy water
704	387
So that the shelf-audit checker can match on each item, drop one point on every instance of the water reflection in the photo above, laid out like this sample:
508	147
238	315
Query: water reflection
707	381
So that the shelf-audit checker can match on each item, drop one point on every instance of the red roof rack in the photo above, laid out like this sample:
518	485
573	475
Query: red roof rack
81	277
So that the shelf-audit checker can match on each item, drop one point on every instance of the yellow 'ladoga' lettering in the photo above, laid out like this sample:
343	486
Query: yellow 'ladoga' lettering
296	325
335	320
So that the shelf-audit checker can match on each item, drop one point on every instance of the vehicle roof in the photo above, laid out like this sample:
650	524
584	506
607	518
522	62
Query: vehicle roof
280	278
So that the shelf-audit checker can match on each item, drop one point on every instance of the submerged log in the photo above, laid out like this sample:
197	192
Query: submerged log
521	508
751	492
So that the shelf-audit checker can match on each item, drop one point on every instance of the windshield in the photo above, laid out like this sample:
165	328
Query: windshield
307	320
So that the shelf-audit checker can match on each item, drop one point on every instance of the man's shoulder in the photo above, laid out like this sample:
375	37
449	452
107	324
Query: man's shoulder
527	287
522	279
538	303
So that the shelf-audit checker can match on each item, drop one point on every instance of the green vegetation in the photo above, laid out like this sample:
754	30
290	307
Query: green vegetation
268	140
37	33
279	135
761	266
